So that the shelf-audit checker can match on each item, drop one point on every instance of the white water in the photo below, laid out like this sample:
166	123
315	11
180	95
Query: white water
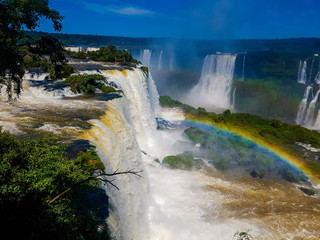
311	69
119	149
160	60
213	89
145	57
302	74
303	106
309	119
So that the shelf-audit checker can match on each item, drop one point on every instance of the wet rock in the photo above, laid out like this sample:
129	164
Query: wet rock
256	174
308	191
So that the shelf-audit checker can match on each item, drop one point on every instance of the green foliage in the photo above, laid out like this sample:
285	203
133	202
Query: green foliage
16	15
184	161
79	55
145	70
33	172
112	54
90	161
61	71
166	101
88	83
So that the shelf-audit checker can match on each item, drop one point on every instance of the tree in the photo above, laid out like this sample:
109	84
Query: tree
16	16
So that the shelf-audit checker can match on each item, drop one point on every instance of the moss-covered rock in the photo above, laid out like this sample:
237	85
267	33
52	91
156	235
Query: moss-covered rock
184	161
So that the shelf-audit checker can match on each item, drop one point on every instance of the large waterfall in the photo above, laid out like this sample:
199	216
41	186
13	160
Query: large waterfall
214	87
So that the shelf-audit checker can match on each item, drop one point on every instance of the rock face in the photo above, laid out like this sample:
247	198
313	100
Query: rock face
256	174
308	191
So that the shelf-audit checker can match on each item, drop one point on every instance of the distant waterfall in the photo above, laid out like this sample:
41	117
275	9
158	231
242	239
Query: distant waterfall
172	62
303	106
160	61
213	89
311	69
154	96
317	78
243	65
233	98
309	120
302	74
145	57
317	122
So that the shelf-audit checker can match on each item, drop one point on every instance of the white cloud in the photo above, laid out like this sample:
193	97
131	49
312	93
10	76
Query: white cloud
130	10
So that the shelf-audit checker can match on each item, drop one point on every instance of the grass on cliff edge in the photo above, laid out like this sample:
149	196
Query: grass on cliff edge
272	132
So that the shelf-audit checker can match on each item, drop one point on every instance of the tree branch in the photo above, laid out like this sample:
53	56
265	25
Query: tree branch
101	177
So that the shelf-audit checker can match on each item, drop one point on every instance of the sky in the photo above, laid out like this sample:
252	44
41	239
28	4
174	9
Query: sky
190	19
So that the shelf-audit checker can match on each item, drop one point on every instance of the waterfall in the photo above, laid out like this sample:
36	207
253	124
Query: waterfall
160	61
213	89
317	78
118	149
302	74
243	65
233	98
136	87
311	69
309	119
154	96
303	106
145	57
317	122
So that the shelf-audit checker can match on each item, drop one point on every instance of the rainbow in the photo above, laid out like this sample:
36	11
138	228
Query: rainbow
293	161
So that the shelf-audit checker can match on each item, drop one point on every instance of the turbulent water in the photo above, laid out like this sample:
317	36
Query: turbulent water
164	204
214	87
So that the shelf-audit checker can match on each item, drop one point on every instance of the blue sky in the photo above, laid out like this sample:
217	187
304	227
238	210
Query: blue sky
197	19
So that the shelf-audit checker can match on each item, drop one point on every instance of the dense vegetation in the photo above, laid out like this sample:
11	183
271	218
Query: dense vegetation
106	54
16	15
88	83
272	132
32	174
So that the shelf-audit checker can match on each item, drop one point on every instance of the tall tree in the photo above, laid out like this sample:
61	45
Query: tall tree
15	17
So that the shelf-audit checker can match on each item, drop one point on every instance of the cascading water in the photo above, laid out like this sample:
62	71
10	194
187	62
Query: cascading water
303	106
160	60
213	89
302	74
119	149
145	57
309	119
